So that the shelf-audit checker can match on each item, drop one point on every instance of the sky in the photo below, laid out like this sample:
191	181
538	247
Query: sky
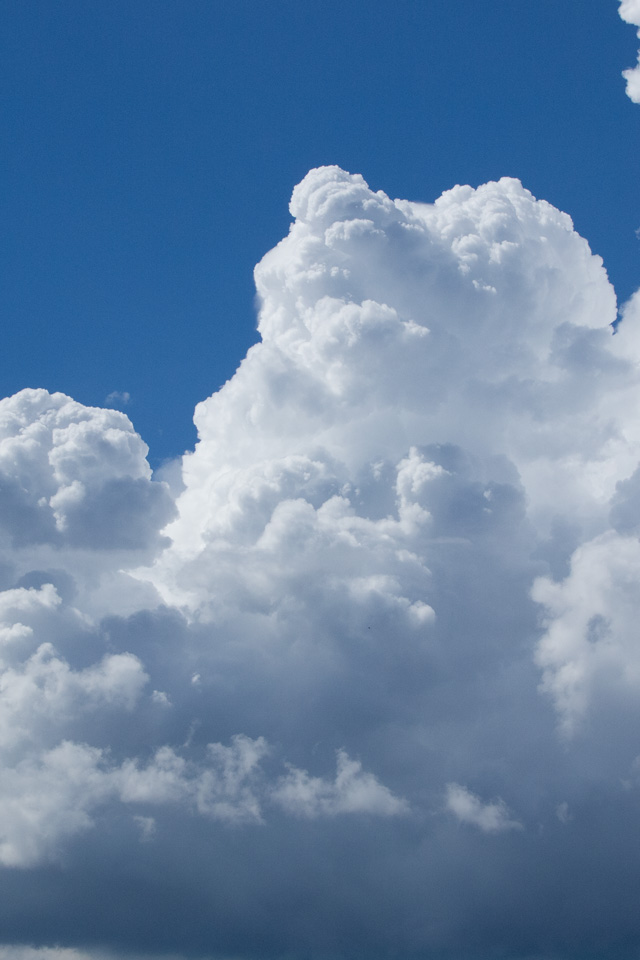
150	151
356	675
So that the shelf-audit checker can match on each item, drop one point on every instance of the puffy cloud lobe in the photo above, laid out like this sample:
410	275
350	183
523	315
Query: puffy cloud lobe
590	646
630	13
398	582
46	799
75	475
45	689
369	364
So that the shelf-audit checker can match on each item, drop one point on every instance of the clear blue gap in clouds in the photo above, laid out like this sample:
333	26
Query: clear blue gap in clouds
150	151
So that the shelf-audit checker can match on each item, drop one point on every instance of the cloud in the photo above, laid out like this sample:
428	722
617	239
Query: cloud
630	13
402	559
117	398
493	817
352	791
75	475
44	953
590	646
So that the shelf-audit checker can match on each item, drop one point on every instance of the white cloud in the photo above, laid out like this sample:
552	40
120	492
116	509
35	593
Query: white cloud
117	398
47	799
224	787
75	475
352	791
44	689
630	12
492	817
590	645
412	507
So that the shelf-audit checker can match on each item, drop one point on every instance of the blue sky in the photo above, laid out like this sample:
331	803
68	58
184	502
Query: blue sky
150	151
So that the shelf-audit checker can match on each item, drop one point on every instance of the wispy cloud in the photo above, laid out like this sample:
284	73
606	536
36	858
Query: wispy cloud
490	817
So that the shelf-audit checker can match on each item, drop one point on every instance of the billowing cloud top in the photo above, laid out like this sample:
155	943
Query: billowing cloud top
369	685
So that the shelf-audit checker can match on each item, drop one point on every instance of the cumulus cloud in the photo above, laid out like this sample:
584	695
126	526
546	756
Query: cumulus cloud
75	475
491	817
630	13
352	791
400	565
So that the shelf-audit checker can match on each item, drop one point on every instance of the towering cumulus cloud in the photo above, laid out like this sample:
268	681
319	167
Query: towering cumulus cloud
370	686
